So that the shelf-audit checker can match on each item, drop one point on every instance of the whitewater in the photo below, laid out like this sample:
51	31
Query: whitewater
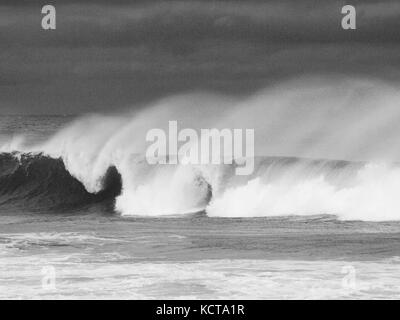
322	147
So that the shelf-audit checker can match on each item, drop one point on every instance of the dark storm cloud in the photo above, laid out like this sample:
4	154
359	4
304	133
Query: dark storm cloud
181	23
120	52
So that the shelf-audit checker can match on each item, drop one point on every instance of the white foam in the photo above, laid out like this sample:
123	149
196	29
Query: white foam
373	195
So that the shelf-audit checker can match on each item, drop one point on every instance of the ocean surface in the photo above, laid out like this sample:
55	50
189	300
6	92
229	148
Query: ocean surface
61	238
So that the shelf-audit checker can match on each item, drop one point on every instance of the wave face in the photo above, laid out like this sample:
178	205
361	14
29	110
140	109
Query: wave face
98	159
38	182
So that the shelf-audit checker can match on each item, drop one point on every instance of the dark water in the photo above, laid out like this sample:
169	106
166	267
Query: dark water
59	241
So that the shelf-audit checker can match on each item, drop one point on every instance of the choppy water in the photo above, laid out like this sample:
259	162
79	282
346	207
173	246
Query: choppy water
52	249
107	256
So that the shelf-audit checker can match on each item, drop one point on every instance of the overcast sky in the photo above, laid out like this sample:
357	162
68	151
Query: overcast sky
107	55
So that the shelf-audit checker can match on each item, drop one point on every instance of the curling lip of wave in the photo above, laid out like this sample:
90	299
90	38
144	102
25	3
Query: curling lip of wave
40	183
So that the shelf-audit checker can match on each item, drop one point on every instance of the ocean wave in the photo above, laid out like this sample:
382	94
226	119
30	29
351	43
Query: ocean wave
280	186
38	182
98	158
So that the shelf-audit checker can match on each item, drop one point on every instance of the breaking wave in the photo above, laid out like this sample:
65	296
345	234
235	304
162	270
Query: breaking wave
41	183
100	159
